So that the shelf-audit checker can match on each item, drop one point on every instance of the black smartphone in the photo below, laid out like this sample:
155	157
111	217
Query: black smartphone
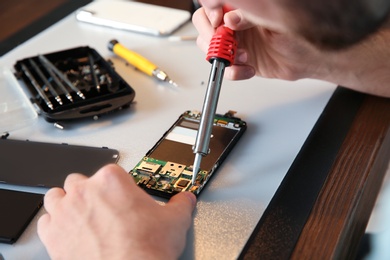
17	210
166	169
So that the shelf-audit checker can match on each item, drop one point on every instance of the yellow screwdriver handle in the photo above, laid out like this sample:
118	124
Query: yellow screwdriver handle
134	58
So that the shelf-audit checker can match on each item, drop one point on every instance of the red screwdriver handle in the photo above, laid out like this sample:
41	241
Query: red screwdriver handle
223	45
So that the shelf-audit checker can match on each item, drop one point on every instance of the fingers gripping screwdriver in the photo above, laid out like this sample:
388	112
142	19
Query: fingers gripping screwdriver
221	52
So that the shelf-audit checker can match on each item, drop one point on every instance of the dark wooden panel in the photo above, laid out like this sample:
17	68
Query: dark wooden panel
17	14
179	4
312	217
342	210
24	19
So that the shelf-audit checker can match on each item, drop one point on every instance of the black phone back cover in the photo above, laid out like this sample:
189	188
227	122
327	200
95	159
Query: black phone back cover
17	210
42	164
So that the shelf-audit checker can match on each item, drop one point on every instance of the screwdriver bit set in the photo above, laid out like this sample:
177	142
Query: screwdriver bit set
73	84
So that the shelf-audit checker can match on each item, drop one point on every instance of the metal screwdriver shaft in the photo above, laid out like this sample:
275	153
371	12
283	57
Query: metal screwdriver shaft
57	81
46	81
201	147
221	54
61	75
37	86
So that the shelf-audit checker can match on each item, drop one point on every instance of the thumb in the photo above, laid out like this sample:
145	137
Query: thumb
184	202
236	21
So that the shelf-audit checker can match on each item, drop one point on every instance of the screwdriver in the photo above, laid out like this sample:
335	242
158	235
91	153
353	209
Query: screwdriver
139	62
37	86
221	52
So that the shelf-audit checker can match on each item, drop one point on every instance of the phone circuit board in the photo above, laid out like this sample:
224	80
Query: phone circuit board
166	169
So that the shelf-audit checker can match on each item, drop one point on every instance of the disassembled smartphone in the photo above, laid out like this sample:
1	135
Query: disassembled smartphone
166	169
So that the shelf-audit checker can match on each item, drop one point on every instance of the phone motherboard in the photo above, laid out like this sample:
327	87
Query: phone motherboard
167	168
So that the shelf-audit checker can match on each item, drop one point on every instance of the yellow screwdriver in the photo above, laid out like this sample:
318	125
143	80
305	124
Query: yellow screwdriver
139	62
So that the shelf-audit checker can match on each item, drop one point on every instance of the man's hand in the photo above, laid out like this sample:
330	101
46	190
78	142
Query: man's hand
262	51
267	49
107	216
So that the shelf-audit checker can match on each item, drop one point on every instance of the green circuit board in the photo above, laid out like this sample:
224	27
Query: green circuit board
167	177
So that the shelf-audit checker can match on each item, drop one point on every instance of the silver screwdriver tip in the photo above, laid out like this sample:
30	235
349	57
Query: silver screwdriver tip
59	100
161	75
68	96
80	94
50	105
172	83
196	167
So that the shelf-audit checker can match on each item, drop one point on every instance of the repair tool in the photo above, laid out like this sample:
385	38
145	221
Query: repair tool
37	86
57	81
221	54
93	73
51	66
46	81
139	62
76	75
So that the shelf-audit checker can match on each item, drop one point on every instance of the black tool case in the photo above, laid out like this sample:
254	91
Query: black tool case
97	88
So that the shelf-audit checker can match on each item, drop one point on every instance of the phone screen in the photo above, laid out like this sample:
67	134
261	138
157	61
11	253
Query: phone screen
167	168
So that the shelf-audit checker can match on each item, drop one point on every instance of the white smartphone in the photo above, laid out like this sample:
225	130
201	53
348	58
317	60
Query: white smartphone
133	16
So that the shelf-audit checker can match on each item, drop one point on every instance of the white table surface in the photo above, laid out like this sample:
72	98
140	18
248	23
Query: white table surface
279	114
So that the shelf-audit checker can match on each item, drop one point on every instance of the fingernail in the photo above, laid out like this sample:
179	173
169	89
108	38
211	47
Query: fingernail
249	73
241	56
234	18
213	18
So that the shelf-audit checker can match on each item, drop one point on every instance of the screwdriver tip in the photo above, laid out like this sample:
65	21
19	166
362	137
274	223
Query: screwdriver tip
196	167
68	96
50	105
59	100
172	83
80	94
